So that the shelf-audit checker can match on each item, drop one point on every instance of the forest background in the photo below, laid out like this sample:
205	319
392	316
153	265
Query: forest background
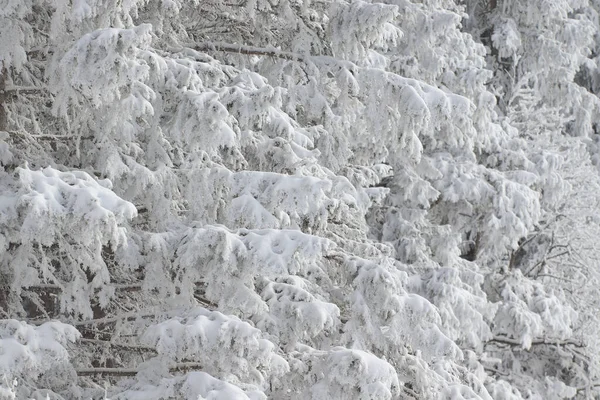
299	199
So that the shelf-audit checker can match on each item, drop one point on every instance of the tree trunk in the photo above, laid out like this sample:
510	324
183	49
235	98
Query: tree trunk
3	100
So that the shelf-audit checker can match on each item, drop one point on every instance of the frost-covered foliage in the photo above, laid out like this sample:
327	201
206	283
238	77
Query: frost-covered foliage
297	200
33	357
537	57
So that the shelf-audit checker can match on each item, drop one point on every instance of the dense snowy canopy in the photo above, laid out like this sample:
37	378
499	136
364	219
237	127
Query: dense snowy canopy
299	199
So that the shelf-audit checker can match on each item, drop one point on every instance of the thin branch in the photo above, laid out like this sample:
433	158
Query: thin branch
495	371
185	366
180	367
47	35
119	345
205	302
41	137
128	287
555	277
23	89
543	263
107	371
558	255
247	50
130	316
515	342
588	387
307	59
557	246
410	392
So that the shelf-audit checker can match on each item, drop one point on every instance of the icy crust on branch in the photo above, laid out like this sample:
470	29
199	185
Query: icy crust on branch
415	113
226	111
55	226
436	50
359	26
237	362
275	278
281	282
295	314
270	200
49	194
385	319
527	312
444	209
110	51
462	305
34	358
224	345
507	204
337	372
346	373
440	53
524	41
15	35
193	385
